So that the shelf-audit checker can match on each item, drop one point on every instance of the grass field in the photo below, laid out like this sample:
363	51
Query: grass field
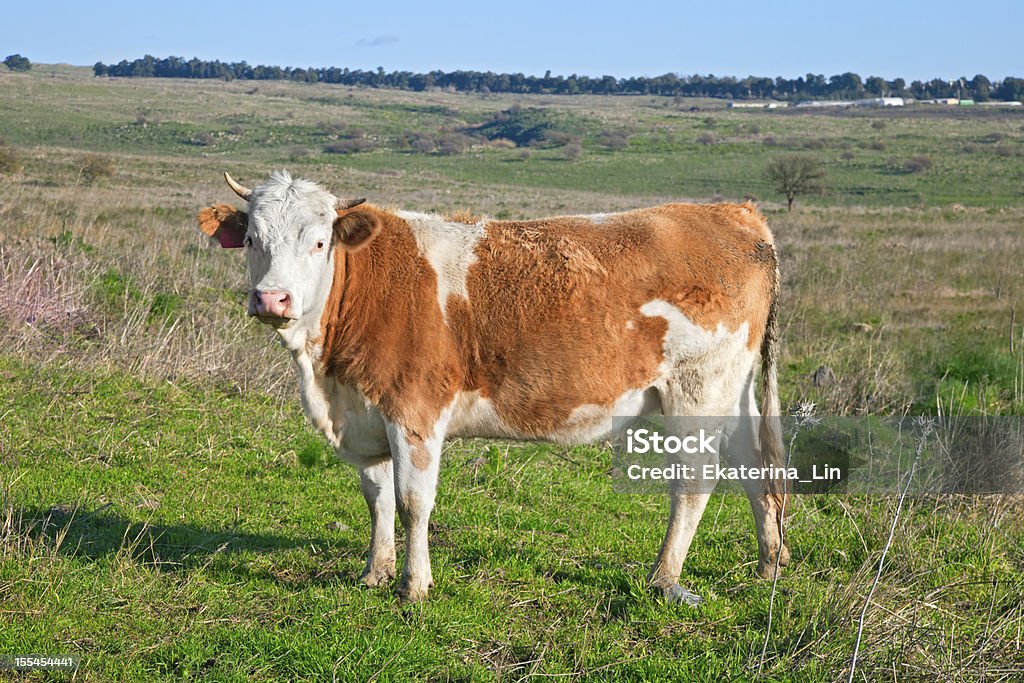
167	514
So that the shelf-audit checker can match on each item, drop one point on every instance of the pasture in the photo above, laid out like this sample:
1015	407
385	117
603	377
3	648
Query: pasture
166	512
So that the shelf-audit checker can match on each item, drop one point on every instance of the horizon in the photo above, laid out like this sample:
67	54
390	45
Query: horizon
915	41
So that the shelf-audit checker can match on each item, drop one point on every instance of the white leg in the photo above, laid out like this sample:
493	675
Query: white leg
378	484
688	500
416	464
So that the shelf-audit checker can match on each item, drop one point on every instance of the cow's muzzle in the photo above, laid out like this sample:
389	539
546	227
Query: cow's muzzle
272	307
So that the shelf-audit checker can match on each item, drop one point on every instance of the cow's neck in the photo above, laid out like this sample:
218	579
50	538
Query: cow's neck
384	333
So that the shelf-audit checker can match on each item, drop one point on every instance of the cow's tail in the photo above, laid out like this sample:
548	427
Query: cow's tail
773	453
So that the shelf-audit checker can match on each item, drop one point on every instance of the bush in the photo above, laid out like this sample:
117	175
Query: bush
96	166
614	141
449	144
353	146
573	150
557	138
706	139
878	125
201	139
918	164
9	161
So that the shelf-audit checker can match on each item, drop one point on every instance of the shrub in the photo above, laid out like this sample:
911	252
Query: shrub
96	166
449	144
706	139
918	164
613	140
573	150
201	139
878	124
352	146
557	138
9	161
296	154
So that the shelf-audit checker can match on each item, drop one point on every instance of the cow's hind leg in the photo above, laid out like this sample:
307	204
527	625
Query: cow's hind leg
744	449
378	484
688	500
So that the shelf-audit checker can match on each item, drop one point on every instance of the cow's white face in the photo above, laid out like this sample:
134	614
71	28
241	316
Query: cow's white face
289	234
288	250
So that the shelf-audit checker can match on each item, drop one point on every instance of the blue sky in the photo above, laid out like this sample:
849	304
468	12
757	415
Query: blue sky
915	39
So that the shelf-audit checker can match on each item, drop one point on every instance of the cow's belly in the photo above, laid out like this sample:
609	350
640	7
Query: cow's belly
475	416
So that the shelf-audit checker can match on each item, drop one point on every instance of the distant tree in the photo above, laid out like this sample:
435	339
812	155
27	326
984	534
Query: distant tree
1011	89
795	175
16	62
981	88
876	86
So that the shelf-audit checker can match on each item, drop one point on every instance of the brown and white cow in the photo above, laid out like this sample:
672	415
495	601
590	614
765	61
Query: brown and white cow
408	328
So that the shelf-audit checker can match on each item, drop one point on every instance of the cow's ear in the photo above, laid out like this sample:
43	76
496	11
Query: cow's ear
226	223
355	228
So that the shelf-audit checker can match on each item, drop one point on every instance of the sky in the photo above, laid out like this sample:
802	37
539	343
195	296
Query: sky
911	39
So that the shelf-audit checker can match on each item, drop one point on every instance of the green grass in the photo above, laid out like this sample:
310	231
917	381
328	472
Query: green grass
165	531
977	155
167	513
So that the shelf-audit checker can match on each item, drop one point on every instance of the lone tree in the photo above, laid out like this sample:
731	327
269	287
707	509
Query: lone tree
17	63
795	175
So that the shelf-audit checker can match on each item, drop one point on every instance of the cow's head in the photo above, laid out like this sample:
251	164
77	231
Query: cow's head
290	233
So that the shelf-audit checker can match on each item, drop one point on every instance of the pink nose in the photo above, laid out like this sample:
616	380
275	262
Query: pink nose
272	303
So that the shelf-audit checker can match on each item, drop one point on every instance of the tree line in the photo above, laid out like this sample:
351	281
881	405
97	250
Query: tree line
811	86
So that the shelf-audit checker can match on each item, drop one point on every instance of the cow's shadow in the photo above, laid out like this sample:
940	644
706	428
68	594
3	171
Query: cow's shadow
104	534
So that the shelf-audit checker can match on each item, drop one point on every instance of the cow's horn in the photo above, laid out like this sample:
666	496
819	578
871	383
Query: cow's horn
349	203
241	190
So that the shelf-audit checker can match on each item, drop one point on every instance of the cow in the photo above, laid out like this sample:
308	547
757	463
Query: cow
408	328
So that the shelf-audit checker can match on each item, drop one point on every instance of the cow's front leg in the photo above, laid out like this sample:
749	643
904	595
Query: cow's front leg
416	462
378	484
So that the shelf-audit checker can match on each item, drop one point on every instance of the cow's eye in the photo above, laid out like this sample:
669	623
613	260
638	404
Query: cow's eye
319	247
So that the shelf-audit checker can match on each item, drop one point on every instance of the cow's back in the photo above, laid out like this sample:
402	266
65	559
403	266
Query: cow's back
573	314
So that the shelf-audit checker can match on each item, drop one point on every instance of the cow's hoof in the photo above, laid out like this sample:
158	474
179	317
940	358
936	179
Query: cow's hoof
377	576
766	568
677	595
407	594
